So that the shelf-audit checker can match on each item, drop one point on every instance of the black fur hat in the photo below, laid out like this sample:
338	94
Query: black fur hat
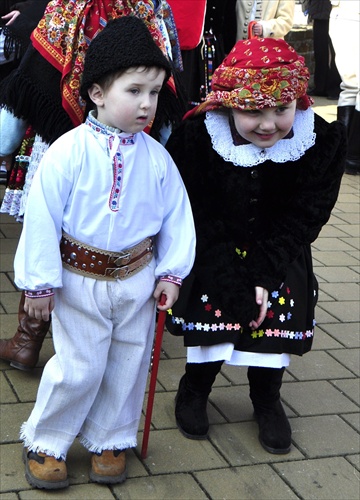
123	43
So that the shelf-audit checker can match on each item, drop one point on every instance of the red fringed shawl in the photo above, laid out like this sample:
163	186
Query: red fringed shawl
66	30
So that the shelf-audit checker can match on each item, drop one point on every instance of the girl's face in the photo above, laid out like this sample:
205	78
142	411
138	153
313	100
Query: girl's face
130	102
265	127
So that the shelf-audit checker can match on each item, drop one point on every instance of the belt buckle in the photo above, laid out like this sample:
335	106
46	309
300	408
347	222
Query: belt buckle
120	272
120	260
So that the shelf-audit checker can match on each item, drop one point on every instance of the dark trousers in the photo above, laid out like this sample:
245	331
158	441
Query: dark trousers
326	77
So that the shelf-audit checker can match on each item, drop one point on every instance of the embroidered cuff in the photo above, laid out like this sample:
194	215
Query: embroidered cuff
39	294
171	279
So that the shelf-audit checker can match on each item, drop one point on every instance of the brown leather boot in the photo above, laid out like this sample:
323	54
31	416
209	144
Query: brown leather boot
22	351
108	467
44	471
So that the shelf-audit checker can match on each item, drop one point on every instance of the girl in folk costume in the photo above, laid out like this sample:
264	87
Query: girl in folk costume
263	174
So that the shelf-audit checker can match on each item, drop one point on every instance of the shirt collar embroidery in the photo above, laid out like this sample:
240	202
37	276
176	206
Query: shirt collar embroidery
125	139
114	139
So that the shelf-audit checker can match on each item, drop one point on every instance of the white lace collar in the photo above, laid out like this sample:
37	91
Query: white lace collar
248	155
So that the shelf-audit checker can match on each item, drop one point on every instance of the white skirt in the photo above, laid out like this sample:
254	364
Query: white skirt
226	352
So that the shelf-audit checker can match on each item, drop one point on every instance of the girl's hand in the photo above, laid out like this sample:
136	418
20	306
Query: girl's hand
171	292
261	298
11	16
39	308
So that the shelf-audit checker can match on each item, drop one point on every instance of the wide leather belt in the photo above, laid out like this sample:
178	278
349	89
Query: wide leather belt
100	264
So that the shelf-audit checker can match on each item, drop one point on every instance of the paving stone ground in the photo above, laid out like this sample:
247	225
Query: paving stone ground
320	393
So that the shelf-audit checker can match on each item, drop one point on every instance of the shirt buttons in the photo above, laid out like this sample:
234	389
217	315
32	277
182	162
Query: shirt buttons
254	174
253	201
251	220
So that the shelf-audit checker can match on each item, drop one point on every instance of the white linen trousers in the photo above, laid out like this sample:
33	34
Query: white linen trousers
94	385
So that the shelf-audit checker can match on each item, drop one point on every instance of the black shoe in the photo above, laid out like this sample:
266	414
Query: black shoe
274	428
352	166
190	411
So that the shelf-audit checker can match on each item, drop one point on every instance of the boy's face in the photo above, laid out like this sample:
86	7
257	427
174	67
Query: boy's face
265	127
130	102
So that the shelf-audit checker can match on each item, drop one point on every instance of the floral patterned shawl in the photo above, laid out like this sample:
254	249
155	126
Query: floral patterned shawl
67	28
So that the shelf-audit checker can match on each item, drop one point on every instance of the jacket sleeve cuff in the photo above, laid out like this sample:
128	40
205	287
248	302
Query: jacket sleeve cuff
171	279
39	294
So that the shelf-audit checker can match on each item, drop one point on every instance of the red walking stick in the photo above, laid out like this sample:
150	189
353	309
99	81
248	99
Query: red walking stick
153	376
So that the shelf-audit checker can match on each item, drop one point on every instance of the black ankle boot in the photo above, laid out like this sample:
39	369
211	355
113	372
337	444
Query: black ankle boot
274	427
345	115
352	164
191	399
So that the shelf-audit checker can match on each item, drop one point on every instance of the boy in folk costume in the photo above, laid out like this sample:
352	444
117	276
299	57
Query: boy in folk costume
263	174
111	196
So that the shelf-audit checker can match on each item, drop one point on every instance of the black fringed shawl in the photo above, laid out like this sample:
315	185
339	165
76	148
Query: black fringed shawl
30	86
17	34
32	92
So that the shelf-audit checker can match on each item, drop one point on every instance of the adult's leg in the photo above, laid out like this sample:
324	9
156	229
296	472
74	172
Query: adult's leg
321	55
352	165
348	66
333	76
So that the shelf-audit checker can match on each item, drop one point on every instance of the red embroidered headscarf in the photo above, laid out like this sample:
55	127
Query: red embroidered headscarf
258	73
66	30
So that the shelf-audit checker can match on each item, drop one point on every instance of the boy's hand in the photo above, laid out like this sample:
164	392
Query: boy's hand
261	297
171	292
39	308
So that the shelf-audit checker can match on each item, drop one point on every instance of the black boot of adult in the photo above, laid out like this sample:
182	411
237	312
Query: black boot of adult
192	396
345	116
352	164
274	427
